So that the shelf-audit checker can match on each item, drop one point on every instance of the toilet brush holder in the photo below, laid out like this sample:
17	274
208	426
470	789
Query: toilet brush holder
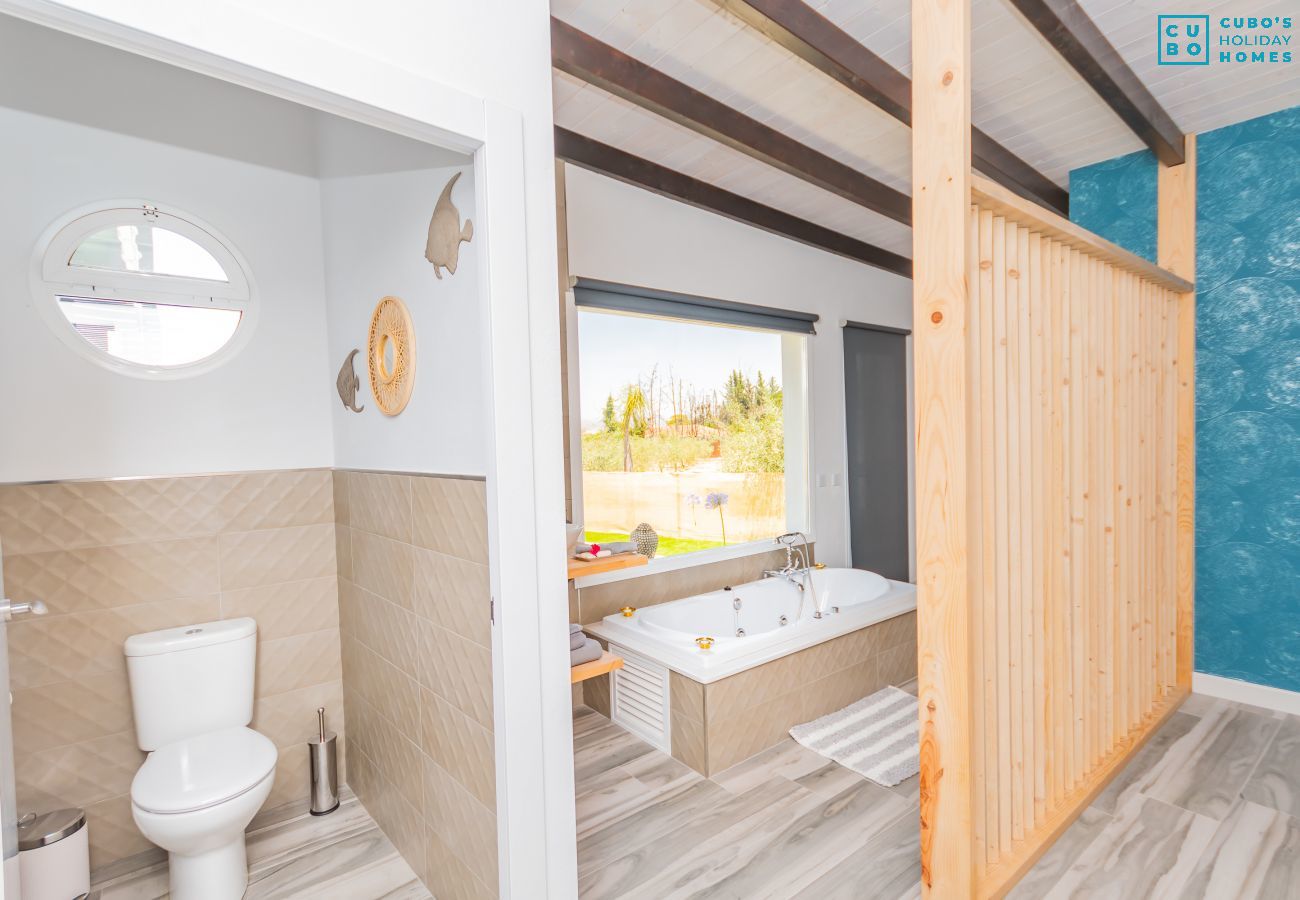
324	768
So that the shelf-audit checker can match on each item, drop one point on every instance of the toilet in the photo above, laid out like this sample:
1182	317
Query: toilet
207	772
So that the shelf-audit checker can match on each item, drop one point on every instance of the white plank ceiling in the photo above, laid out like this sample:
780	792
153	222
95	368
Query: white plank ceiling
1024	95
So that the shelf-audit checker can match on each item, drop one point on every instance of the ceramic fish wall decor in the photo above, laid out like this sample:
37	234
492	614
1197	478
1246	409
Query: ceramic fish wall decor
446	233
348	384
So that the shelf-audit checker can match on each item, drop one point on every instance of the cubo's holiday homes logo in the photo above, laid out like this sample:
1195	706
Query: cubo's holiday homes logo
1186	40
1183	40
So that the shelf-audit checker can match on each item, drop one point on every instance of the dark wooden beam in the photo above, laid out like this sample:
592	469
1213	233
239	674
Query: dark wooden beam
822	44
1078	39
584	57
606	160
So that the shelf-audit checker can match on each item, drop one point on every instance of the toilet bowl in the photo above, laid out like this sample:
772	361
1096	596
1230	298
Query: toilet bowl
207	772
195	797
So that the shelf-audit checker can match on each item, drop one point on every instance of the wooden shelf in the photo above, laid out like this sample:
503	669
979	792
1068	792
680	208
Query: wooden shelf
608	662
580	567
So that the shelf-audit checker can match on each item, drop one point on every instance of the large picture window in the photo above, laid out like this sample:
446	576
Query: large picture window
693	419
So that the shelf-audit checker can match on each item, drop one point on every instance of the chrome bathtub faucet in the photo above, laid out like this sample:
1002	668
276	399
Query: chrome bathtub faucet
798	575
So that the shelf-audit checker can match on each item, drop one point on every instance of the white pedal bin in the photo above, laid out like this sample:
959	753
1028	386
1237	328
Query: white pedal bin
54	855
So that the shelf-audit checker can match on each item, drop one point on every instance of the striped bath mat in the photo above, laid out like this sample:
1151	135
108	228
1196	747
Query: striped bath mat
875	737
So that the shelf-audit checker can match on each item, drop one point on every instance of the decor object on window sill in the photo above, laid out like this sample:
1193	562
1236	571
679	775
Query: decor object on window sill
646	540
446	233
391	355
348	383
599	549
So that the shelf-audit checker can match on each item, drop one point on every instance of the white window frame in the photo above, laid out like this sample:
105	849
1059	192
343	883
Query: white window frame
54	277
795	378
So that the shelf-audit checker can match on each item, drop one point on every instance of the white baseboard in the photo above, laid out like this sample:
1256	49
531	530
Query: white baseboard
1246	692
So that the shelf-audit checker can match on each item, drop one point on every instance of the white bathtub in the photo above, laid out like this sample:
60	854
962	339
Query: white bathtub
850	599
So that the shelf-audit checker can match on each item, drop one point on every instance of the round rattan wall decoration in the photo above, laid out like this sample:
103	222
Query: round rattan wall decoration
391	356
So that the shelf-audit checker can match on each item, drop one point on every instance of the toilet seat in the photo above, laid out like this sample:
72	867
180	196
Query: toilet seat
203	771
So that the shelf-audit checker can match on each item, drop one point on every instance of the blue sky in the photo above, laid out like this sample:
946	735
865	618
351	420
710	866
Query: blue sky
617	349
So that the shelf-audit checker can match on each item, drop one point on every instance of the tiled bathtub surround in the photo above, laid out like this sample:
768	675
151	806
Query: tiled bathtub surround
417	670
715	726
113	558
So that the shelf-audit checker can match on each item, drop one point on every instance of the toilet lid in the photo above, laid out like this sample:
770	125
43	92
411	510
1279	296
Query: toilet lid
203	771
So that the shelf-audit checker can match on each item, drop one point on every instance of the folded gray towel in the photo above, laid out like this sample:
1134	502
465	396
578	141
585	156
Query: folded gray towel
589	651
576	640
574	628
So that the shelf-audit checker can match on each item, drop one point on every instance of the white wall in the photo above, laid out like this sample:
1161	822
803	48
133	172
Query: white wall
626	234
375	224
65	416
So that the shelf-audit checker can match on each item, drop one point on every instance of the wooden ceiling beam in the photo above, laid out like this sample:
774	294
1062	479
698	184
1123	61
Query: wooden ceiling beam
825	46
1074	35
599	64
619	164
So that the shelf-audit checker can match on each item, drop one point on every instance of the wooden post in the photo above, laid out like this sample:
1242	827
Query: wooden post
941	199
1176	251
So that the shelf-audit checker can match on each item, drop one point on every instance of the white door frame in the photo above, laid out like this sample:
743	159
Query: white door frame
534	746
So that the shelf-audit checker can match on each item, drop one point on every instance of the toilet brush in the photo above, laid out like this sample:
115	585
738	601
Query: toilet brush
324	768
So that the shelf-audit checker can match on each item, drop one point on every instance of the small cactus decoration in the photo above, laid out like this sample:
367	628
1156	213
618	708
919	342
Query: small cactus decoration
646	540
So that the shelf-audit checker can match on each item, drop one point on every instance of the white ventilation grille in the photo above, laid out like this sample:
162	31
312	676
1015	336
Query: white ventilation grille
639	699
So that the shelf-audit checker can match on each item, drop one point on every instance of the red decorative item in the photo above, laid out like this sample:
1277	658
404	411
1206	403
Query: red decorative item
595	548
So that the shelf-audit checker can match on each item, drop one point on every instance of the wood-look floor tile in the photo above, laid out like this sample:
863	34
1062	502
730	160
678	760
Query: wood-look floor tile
608	752
364	864
1205	770
1134	775
1058	860
830	780
344	855
888	867
673	854
1149	849
608	797
666	812
788	759
661	772
789	848
1276	780
1254	855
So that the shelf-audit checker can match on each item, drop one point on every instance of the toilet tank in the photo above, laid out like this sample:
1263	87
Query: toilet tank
191	680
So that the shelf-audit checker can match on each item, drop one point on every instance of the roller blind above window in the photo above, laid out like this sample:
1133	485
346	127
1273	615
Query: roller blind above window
612	297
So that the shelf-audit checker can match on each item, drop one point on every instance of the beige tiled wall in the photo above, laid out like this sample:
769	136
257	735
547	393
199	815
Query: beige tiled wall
113	558
723	723
417	670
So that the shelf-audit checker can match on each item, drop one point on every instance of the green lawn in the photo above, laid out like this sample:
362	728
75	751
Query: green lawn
668	546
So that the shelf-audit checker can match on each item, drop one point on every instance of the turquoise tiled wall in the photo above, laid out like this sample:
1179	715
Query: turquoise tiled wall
1247	380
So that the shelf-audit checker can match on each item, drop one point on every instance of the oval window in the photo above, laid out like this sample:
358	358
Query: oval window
144	290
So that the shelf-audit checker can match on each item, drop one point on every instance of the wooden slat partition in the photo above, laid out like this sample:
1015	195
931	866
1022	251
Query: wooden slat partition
1054	486
1073	426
